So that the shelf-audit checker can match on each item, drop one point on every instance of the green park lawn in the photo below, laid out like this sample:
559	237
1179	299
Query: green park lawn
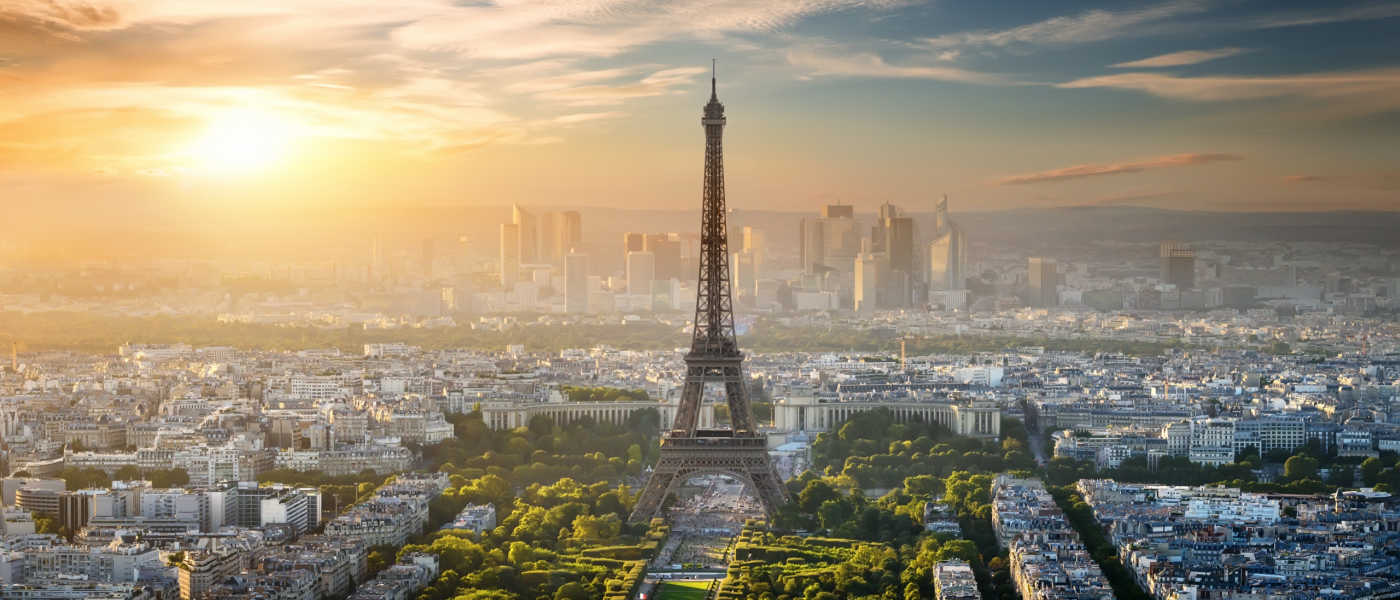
682	590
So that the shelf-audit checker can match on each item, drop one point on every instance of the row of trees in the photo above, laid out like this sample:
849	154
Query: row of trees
1300	473
912	464
602	394
1081	516
871	450
81	478
561	509
773	567
790	567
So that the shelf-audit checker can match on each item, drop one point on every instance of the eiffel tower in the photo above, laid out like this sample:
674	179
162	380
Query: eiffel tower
687	450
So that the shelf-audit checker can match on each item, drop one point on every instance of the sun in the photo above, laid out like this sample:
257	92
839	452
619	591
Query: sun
243	141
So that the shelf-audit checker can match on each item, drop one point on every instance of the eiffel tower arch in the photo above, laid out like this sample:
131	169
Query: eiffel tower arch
686	449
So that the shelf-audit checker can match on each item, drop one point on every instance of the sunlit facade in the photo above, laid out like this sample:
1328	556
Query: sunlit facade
947	253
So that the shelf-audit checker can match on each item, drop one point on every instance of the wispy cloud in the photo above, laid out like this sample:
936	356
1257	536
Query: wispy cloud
866	64
525	29
1099	169
1178	59
1167	18
1365	12
1091	26
666	81
574	118
1374	90
1372	181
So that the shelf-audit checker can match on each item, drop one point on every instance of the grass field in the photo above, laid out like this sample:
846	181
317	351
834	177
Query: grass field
682	590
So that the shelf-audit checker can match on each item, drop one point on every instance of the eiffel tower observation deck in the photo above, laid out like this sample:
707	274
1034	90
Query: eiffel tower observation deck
687	450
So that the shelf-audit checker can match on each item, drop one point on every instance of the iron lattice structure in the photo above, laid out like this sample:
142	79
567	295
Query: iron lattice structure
687	450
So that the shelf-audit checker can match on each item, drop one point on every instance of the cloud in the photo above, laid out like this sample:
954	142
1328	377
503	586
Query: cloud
1368	12
1095	170
520	29
586	117
867	64
1178	59
1374	90
55	15
1168	18
422	76
1310	178
1372	181
1091	26
659	83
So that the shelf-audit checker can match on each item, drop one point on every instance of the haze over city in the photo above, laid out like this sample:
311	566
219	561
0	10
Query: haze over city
453	300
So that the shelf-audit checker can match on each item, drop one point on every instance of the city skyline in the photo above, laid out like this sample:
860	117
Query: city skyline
332	300
176	111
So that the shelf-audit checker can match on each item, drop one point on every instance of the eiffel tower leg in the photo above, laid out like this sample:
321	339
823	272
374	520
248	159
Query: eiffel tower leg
768	486
688	411
649	502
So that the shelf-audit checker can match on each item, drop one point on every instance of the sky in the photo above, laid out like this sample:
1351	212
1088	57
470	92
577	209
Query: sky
189	108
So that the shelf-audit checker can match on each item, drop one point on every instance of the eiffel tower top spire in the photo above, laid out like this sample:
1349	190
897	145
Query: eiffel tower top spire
713	110
714	96
714	310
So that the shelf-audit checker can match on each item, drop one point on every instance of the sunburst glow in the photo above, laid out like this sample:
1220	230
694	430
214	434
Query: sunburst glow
243	141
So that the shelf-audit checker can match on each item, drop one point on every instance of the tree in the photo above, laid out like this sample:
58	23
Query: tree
835	512
923	486
1299	467
816	493
379	558
43	524
521	552
1342	476
960	549
167	478
1371	471
911	591
541	426
595	529
571	591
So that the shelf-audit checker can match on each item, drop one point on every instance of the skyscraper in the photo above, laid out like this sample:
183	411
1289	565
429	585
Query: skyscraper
570	231
899	243
1178	265
838	211
559	233
745	274
547	238
576	283
756	242
528	232
830	242
667	254
1043	278
867	278
510	255
947	252
633	242
641	270
810	244
877	233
